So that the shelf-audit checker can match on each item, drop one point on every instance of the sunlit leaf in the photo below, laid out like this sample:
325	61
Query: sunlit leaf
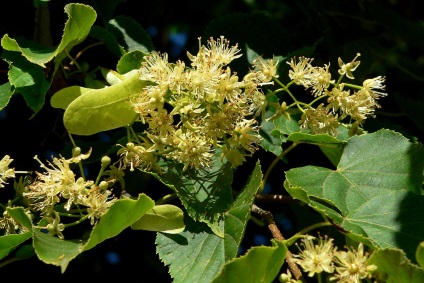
121	215
165	218
373	191
65	96
80	19
419	254
130	61
259	264
102	109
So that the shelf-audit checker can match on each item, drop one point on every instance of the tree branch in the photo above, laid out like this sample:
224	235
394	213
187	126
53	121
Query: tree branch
268	218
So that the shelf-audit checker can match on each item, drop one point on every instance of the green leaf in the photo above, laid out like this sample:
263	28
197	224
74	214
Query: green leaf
371	194
394	267
287	126
122	214
65	96
55	251
164	218
331	146
314	139
27	74
130	34
109	40
205	193
27	78
239	213
419	254
102	109
6	92
10	242
197	254
194	255
258	265
130	61
269	141
80	19
19	215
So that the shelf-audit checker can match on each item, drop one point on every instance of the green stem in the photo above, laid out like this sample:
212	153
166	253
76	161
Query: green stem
316	99
68	215
353	86
314	226
274	162
79	163
73	60
77	222
166	199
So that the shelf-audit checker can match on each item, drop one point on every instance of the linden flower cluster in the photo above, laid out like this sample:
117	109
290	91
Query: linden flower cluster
5	171
341	102
190	111
346	266
59	185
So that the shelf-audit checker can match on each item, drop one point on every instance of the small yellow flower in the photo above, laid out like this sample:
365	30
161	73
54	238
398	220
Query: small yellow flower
266	69
5	171
351	265
372	86
301	72
77	156
319	121
347	69
316	258
321	80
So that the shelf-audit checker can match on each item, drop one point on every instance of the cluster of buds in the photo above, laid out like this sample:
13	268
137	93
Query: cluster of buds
191	111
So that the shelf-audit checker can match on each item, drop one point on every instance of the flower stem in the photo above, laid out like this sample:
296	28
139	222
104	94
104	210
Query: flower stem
166	199
314	226
274	162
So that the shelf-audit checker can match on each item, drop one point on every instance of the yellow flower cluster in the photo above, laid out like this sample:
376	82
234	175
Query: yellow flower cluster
345	266
190	111
341	103
58	184
5	171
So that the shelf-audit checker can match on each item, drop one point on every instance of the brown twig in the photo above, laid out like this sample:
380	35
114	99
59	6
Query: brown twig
269	220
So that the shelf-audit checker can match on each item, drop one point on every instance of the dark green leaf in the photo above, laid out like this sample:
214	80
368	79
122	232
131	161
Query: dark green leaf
205	193
130	34
6	92
198	254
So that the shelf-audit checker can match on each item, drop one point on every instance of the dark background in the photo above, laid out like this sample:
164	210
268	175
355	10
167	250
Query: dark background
388	34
